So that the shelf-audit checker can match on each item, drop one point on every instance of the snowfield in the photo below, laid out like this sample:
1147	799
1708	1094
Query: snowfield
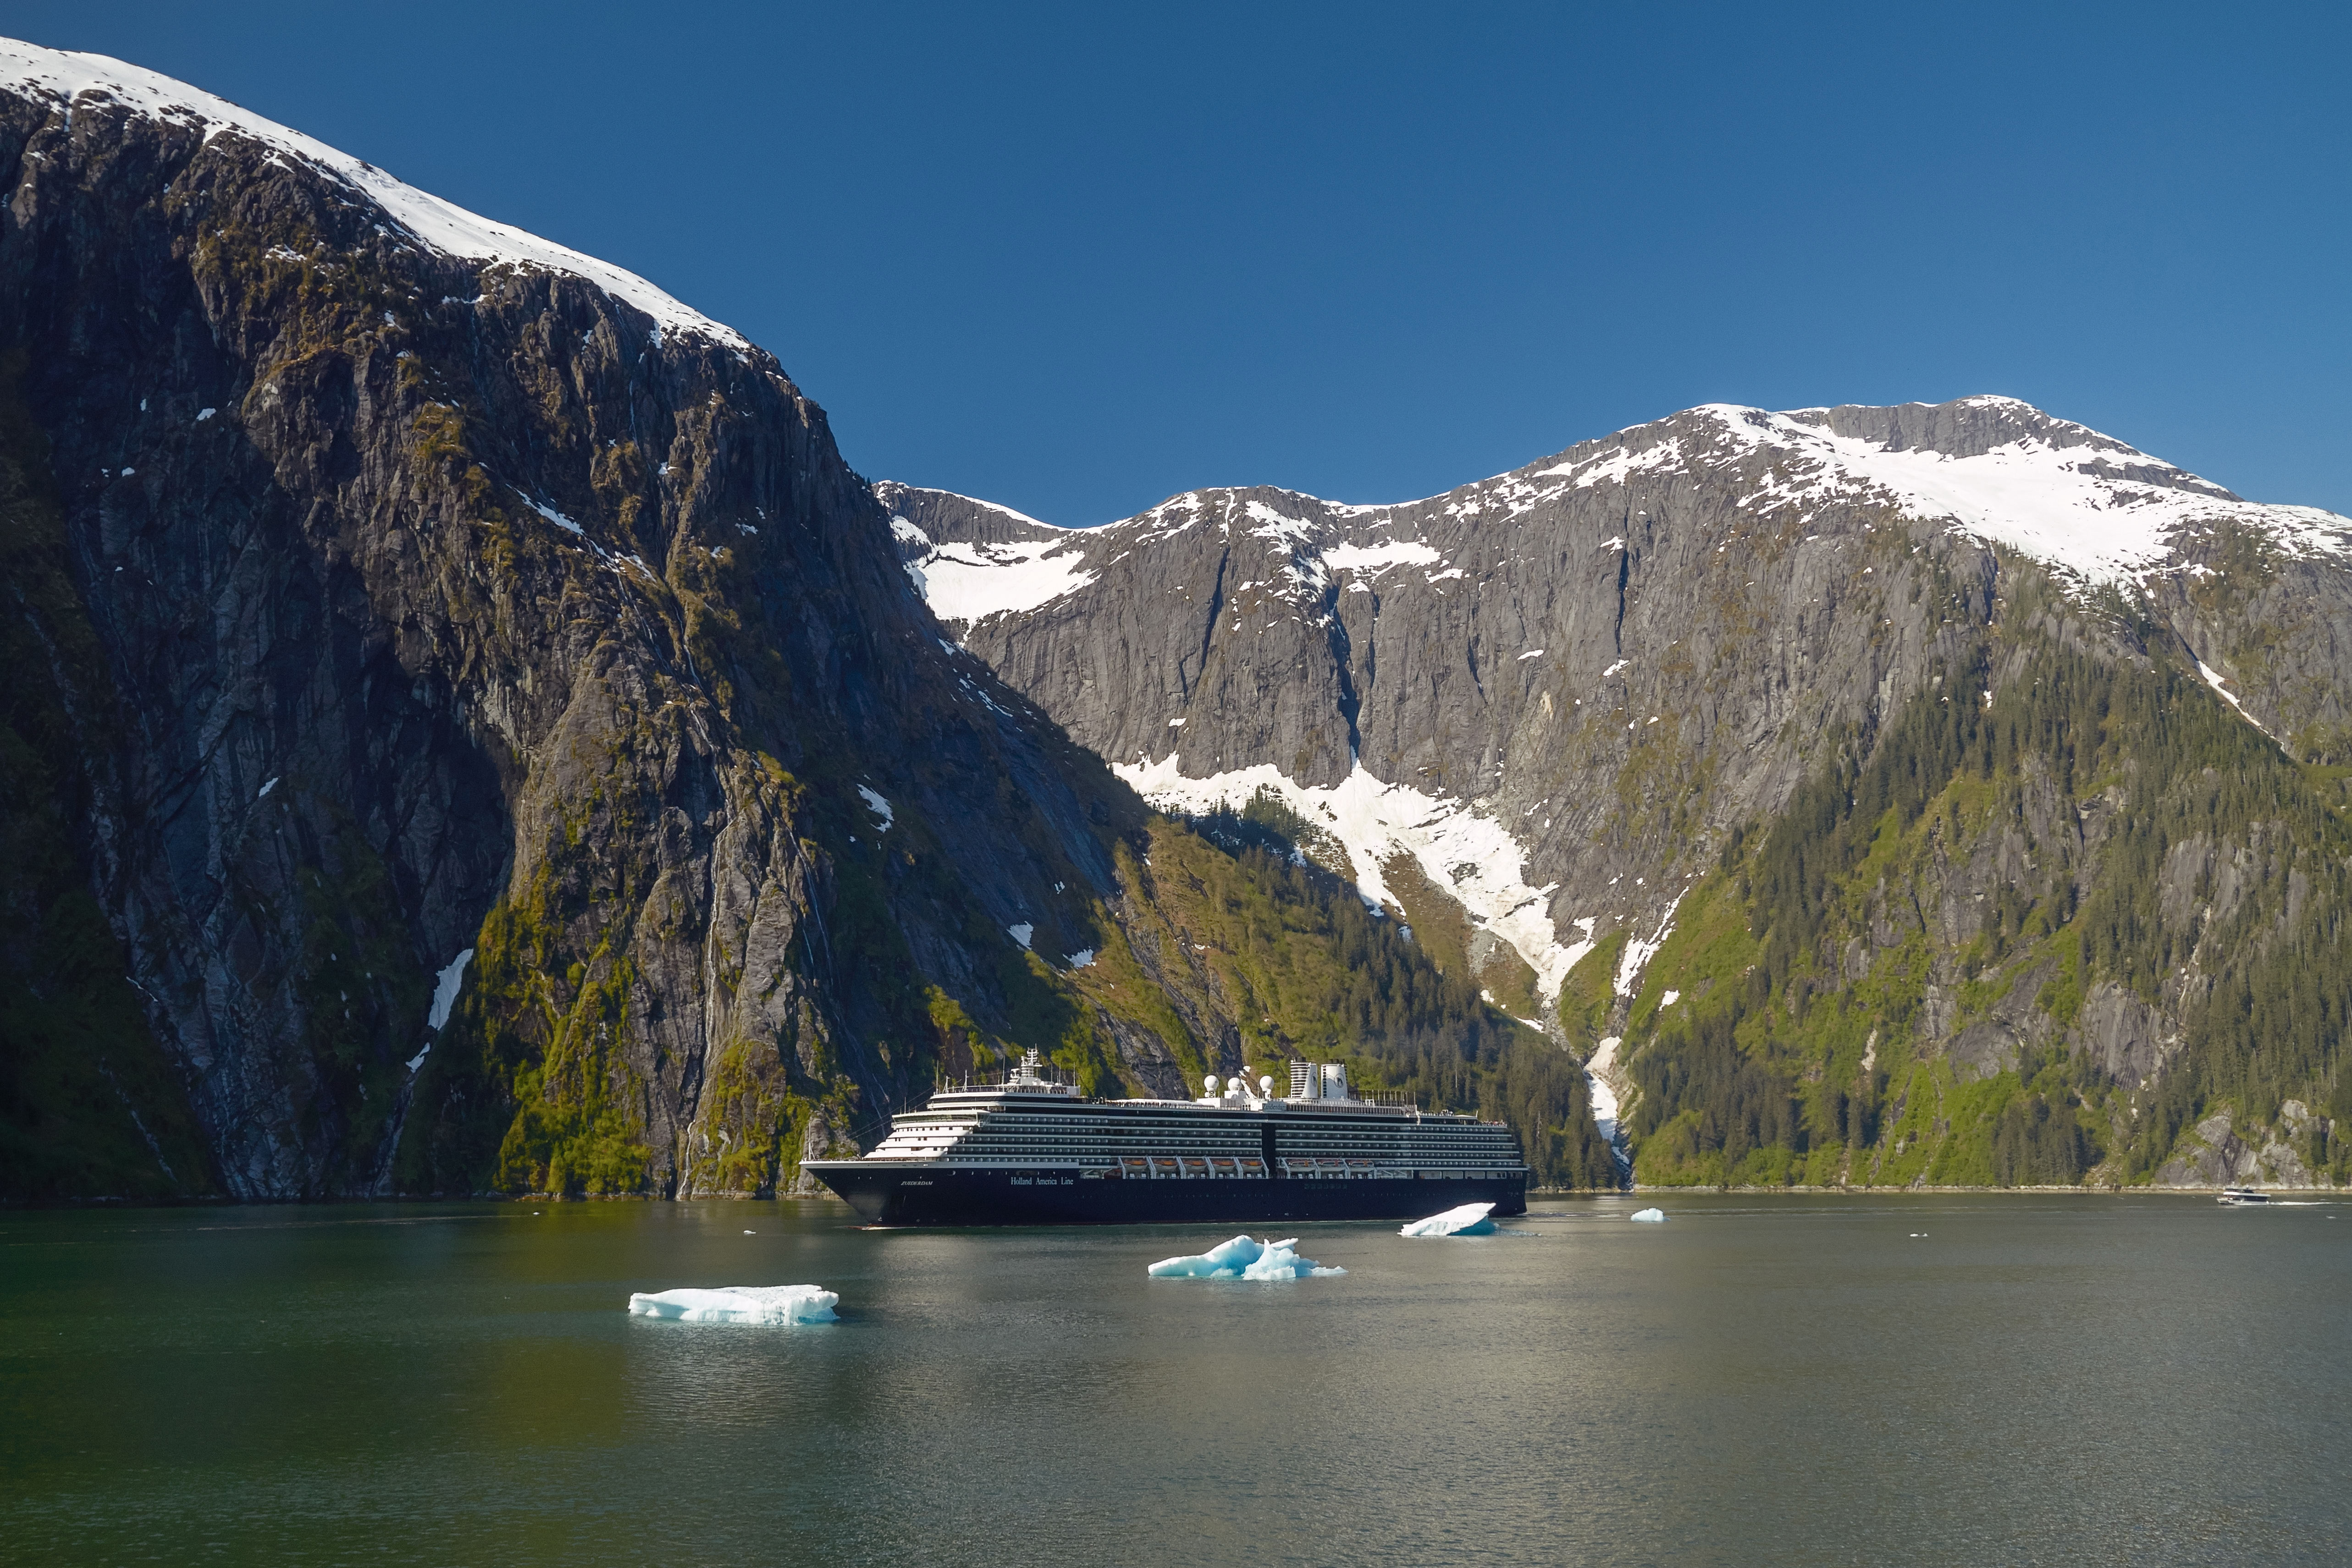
1377	822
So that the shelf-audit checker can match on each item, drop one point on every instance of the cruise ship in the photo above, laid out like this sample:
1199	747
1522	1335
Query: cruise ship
1035	1150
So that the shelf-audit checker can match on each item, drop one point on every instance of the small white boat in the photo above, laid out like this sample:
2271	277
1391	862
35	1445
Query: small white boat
2238	1195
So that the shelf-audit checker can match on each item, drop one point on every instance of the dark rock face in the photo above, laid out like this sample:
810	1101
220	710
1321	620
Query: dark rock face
1622	655
450	606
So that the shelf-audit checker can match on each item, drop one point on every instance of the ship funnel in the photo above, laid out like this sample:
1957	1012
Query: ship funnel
1335	1080
1302	1080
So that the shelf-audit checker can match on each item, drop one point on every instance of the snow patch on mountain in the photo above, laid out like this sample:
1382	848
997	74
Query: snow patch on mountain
1376	558
2093	508
2218	681
444	228
968	582
1638	952
1473	856
1597	1072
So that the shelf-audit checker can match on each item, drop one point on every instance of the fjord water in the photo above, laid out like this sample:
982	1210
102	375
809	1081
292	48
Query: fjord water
2036	1379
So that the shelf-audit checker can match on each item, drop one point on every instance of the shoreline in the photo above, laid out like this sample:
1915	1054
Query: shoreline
2101	1191
29	1205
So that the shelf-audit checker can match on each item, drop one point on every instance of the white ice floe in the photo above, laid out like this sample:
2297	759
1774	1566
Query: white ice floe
273	784
1242	1258
72	79
1022	932
1470	1219
1648	1217
739	1304
1082	959
1376	821
878	806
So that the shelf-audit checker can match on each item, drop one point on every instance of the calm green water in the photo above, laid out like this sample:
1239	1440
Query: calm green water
2037	1380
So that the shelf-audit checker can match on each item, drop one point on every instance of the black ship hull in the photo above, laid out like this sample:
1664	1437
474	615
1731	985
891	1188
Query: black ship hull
889	1193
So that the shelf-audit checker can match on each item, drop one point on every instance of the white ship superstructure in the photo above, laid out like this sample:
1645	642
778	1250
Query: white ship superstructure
1034	1147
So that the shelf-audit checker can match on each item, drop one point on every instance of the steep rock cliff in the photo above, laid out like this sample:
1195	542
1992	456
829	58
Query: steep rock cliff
479	729
1535	714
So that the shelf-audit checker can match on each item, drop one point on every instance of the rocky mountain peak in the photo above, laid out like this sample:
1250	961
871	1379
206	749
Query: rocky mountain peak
1528	714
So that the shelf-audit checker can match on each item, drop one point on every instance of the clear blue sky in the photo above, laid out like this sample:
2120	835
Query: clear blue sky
1076	258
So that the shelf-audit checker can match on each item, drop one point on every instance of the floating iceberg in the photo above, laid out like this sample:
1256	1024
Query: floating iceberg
1242	1258
1470	1219
739	1304
1649	1217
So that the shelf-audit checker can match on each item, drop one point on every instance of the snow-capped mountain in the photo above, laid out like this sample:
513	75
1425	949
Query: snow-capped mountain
1407	676
1550	698
472	731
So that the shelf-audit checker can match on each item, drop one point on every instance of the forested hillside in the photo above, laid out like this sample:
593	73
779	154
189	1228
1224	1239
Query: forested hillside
2070	918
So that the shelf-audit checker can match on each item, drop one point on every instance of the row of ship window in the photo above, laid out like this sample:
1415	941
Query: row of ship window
1342	1147
1219	1131
1221	1136
1215	1167
1009	1151
1191	1167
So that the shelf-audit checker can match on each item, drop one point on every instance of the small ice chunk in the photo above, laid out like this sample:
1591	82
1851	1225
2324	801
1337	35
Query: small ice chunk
878	806
418	1059
204	413
739	1304
1470	1219
1649	1217
1242	1258
267	788
1022	932
1082	959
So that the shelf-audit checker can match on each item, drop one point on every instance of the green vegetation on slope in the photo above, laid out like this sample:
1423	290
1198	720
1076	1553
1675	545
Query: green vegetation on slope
1306	970
1821	1026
